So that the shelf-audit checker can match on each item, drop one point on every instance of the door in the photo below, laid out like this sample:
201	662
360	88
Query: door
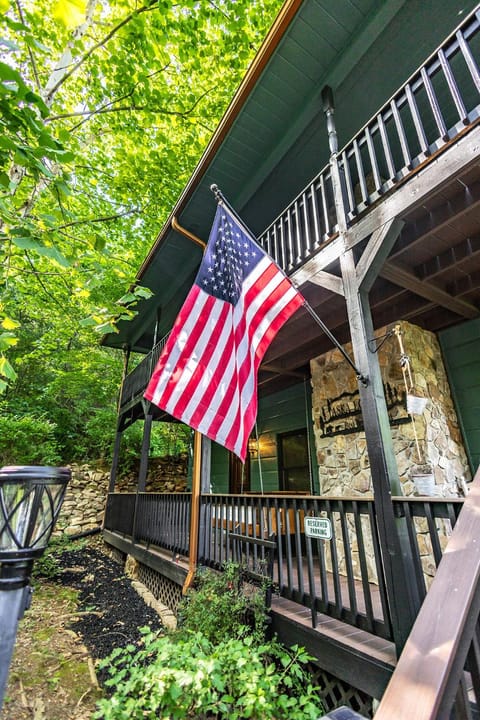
239	475
294	466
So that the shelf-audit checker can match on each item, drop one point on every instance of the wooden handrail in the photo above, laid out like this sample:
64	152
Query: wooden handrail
430	668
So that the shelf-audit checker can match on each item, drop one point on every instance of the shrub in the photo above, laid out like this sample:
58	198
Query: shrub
27	440
221	606
191	677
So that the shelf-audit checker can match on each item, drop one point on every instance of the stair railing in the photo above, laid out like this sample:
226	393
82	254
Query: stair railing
438	674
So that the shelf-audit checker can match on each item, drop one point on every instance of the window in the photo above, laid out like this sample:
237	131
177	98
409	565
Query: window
294	466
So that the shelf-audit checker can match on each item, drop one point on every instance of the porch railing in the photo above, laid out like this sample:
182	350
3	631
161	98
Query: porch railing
158	519
342	577
438	674
430	110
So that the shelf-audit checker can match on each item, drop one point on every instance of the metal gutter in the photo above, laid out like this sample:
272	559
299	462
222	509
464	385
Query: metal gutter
258	65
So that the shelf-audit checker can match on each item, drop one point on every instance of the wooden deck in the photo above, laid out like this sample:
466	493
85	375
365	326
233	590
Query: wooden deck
354	656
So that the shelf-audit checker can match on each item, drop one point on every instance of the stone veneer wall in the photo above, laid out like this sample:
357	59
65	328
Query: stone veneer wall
343	459
84	503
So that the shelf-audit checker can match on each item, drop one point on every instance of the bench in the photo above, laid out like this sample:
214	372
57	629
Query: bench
256	558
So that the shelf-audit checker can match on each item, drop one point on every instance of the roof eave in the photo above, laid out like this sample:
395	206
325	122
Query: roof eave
258	65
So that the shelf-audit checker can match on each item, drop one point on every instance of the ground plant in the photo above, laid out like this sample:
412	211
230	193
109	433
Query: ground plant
222	605
217	665
191	677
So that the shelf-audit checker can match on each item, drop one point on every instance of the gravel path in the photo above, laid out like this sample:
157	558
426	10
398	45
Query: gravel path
53	675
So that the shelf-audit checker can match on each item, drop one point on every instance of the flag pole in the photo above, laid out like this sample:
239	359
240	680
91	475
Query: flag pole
220	198
194	511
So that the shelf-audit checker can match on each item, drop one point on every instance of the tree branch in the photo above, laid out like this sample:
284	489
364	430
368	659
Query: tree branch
30	53
102	108
88	114
107	218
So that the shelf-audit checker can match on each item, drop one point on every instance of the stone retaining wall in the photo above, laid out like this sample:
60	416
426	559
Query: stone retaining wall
84	504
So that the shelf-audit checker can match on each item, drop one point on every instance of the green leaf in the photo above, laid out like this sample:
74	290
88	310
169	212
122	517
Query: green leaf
6	369
54	254
26	243
87	322
7	340
105	328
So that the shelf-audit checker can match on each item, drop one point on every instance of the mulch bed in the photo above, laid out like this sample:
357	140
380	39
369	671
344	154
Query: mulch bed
111	610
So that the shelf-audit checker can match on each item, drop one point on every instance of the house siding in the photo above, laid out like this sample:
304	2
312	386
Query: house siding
461	351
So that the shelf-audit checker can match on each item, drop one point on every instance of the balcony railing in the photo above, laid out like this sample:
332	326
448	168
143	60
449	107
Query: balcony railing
342	577
430	110
137	380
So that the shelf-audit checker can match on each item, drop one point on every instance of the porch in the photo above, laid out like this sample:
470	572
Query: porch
330	595
405	206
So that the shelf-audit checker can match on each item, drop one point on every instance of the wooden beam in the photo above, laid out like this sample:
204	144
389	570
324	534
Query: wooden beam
278	370
327	255
438	217
430	292
460	255
323	279
376	252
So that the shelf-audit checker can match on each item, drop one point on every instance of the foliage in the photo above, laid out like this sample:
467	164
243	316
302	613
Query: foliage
193	677
86	184
167	439
221	605
27	440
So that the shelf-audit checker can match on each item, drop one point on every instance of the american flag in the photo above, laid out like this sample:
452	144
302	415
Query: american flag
206	375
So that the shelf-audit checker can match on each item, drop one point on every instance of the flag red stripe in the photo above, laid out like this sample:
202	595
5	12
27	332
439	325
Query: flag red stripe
207	355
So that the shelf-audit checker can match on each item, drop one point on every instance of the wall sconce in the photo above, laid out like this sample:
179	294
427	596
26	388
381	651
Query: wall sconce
253	447
30	501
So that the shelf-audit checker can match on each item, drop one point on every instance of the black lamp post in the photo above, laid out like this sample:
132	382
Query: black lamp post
30	500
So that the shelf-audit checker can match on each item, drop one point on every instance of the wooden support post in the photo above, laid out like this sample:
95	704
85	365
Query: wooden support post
126	360
115	458
396	553
357	281
142	473
194	510
204	510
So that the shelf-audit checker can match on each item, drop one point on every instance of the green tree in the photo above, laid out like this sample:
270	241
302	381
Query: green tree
105	109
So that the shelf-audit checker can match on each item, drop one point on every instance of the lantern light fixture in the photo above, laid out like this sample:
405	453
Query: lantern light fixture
30	501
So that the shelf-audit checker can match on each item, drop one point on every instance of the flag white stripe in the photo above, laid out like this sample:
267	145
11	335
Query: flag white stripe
248	387
196	353
178	346
203	386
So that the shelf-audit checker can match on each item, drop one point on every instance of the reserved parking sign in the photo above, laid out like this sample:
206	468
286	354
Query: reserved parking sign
320	528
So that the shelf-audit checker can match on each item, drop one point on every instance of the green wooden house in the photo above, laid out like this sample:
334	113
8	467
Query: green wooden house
351	151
